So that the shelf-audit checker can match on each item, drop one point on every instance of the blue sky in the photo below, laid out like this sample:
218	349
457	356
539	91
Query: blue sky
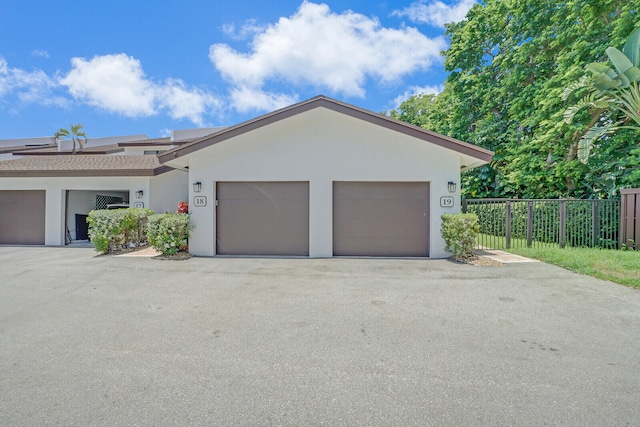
129	67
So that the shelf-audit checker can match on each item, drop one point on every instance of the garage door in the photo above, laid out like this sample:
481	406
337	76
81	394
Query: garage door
381	219
22	215
262	218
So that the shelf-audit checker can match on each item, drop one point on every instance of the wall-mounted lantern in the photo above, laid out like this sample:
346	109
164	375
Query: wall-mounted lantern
139	194
451	186
197	187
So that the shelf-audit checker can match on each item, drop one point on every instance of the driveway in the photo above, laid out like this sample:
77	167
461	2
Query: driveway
98	340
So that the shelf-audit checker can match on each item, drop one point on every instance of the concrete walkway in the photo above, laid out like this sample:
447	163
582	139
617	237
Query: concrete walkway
503	257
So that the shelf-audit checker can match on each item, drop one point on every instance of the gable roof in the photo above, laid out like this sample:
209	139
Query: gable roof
477	153
86	165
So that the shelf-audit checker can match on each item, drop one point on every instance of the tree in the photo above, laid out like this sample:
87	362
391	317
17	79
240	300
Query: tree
509	62
75	133
612	96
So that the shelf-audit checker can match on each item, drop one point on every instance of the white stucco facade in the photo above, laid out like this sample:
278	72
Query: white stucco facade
160	193
320	146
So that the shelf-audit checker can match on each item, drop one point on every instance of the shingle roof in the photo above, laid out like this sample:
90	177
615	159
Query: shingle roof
86	165
26	148
53	150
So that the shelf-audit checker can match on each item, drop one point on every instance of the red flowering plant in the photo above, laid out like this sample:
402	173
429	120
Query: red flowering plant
183	207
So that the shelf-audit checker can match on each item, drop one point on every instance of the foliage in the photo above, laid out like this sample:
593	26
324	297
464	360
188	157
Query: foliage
459	232
169	233
75	133
621	267
113	230
509	62
612	96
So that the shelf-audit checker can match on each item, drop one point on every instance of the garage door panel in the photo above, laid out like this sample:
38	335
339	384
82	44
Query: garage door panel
260	190
381	218
22	217
383	247
262	218
387	208
384	227
378	191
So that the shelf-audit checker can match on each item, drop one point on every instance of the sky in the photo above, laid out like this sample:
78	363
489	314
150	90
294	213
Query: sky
123	67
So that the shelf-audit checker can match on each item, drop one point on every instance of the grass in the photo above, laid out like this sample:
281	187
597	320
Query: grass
621	267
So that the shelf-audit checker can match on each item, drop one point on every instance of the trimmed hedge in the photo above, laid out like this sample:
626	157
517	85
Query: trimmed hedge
113	230
169	233
459	232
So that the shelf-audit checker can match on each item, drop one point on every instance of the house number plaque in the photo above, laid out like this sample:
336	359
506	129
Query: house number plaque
446	201
199	201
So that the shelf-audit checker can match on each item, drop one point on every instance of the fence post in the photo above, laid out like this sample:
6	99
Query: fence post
596	225
508	225
464	205
529	223
563	223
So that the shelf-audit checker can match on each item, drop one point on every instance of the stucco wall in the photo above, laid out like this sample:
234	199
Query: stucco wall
168	189
320	146
55	196
161	193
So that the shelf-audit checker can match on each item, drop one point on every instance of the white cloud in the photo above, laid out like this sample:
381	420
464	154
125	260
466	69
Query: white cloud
416	90
317	47
246	99
183	102
249	29
436	13
118	84
29	86
41	53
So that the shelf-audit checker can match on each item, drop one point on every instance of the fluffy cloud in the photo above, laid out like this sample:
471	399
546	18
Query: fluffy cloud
246	31
117	83
317	47
416	90
436	13
29	86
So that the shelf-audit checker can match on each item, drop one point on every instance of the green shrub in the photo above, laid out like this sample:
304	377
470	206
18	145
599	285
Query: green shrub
169	232
459	232
113	230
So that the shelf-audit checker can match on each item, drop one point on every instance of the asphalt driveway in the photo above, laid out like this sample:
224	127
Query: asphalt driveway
88	340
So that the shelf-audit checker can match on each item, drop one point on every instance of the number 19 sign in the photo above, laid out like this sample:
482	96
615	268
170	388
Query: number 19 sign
446	201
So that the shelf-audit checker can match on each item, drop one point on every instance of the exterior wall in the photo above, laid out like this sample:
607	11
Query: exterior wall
56	190
320	146
167	190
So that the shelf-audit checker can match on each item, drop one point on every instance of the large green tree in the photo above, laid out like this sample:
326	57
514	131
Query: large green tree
509	62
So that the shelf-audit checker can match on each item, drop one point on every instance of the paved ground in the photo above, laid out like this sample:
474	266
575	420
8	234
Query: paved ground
88	340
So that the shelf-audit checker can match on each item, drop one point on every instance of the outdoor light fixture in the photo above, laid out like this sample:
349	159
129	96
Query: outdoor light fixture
139	194
452	186
197	187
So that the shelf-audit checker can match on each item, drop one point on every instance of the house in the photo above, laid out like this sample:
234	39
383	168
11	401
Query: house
320	178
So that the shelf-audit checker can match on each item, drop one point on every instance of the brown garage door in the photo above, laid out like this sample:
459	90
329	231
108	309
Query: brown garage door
381	219
22	215
262	218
